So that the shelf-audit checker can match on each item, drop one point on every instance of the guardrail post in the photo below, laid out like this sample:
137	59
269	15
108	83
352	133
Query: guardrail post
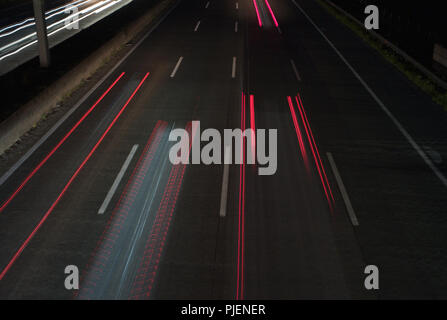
41	29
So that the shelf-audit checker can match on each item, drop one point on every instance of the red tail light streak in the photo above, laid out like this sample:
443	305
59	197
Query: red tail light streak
257	13
241	220
70	181
271	13
297	128
253	126
37	168
313	146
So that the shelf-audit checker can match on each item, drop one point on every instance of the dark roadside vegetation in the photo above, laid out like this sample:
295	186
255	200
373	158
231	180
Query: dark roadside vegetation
28	80
413	26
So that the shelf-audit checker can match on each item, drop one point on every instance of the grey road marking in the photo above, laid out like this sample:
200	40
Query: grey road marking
297	75
176	67
117	181
343	191
224	194
197	26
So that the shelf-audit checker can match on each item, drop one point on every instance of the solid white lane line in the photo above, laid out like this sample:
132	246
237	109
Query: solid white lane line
176	67
233	70
207	5
235	26
197	26
117	181
237	6
226	173
45	137
396	122
343	191
297	75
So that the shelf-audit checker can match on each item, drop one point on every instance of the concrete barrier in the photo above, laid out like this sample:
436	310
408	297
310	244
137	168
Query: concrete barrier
32	112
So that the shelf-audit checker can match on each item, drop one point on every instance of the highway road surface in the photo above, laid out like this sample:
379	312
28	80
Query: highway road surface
18	40
360	180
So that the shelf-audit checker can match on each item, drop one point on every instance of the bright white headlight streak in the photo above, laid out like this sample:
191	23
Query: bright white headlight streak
49	13
56	23
51	33
93	7
107	6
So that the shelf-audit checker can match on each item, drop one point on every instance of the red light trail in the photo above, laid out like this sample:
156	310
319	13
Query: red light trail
64	190
28	178
257	13
271	13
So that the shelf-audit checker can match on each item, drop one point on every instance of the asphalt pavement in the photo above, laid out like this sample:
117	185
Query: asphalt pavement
359	177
